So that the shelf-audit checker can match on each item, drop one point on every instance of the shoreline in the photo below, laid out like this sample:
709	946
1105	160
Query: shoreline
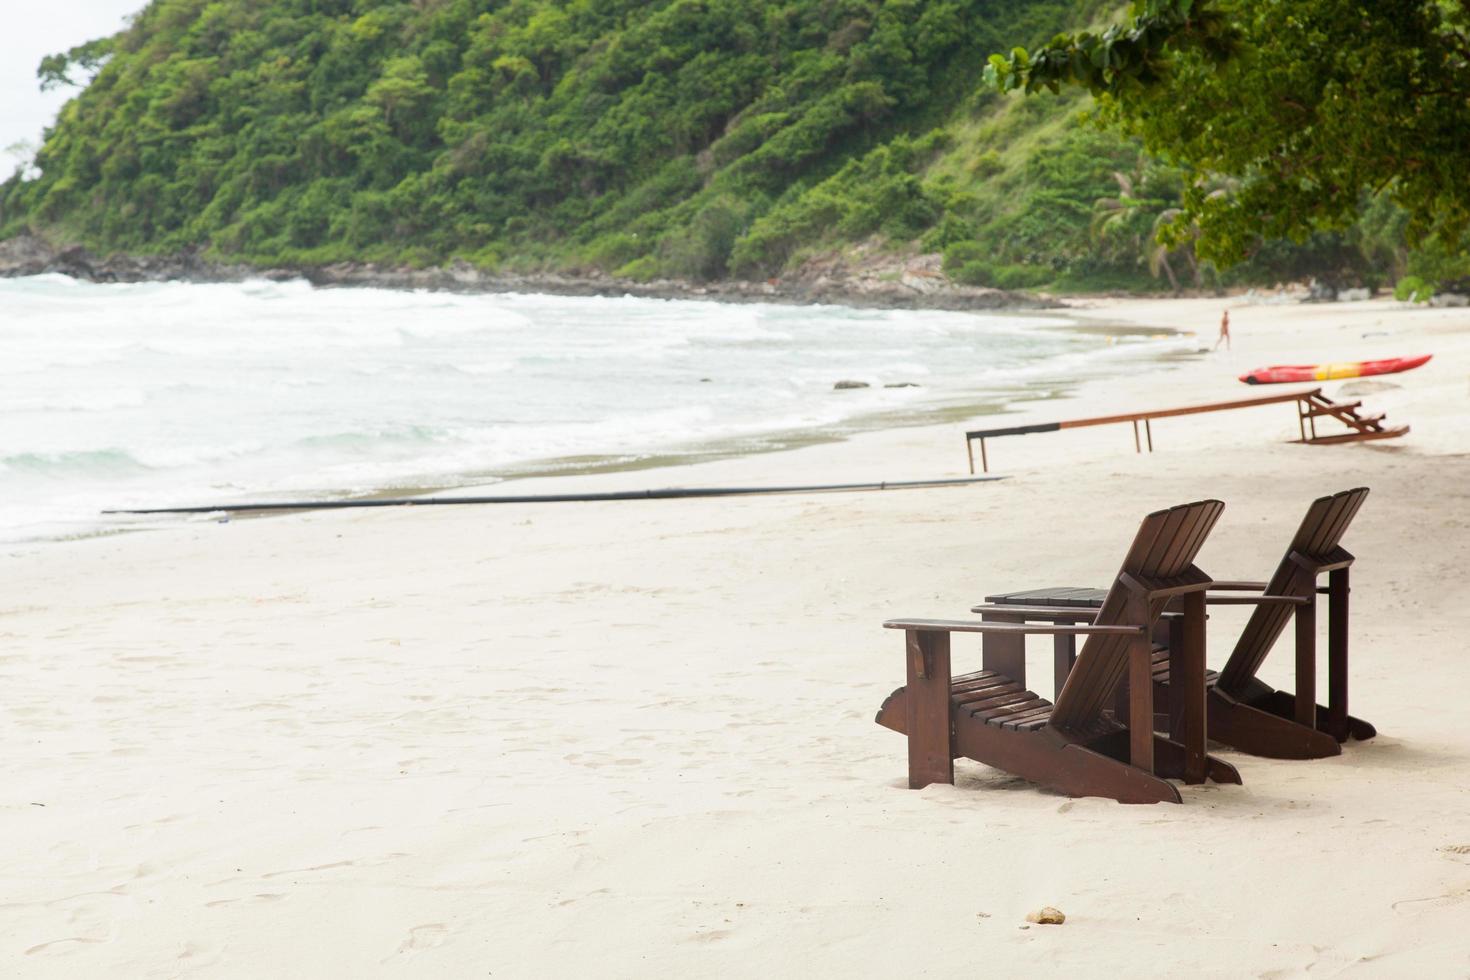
910	284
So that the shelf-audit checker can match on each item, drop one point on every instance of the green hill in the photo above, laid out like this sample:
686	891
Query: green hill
701	139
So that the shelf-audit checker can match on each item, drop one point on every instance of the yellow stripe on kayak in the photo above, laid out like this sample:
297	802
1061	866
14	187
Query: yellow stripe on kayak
1333	372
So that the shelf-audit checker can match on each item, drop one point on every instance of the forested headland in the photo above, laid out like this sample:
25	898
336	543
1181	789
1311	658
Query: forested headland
692	139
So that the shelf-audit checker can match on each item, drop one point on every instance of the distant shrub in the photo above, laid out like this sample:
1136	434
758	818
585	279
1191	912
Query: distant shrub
1438	263
701	249
614	250
487	259
976	272
958	254
950	230
987	164
1022	276
640	269
995	275
1413	289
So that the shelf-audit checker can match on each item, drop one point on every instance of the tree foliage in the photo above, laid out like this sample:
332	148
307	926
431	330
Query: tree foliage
693	133
1307	106
55	69
693	138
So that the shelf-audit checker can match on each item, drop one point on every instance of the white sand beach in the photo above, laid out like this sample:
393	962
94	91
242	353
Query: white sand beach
636	739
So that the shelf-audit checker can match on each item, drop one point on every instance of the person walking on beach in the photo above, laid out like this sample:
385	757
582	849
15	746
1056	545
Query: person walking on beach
1224	337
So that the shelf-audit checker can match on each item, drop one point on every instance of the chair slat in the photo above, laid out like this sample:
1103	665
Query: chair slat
1316	542
991	700
1191	539
1180	521
1031	719
1340	526
1311	522
1143	542
1212	517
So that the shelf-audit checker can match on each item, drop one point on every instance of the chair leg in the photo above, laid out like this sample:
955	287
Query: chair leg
1171	759
1188	689
1141	704
1306	664
930	756
1337	653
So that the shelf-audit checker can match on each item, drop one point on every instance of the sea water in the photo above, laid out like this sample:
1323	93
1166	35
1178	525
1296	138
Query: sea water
160	394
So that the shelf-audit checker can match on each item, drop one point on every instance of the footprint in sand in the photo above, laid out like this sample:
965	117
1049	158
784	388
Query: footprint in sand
262	897
426	936
1431	901
316	867
42	947
360	830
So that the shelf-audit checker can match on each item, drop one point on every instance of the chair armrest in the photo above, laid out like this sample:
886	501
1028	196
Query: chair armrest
1255	600
1238	586
969	626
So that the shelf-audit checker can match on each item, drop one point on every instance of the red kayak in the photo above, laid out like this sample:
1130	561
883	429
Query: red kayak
1282	373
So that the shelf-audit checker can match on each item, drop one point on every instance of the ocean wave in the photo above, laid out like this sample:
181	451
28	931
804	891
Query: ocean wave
73	401
179	455
361	440
83	462
172	392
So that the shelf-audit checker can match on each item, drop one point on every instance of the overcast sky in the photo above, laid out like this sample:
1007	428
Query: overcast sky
32	31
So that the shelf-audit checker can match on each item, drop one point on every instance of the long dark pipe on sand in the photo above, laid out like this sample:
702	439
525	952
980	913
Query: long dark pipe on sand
557	498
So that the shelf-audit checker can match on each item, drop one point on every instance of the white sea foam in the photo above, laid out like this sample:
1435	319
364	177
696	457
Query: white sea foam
170	393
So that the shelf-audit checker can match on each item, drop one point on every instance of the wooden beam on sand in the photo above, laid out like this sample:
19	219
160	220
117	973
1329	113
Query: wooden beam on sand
1311	404
671	493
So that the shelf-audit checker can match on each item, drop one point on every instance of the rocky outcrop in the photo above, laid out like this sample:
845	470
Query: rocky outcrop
27	255
918	284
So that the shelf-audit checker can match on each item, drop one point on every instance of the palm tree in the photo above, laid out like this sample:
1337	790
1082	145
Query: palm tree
1158	256
1147	204
1117	216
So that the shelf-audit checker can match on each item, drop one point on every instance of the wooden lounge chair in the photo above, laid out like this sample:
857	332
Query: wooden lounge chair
1246	702
1244	711
1077	745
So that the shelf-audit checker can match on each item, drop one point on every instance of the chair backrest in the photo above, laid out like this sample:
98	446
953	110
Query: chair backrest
1164	549
1321	531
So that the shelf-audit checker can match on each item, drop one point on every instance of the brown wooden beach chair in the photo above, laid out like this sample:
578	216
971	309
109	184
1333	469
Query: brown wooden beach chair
1244	711
1077	745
